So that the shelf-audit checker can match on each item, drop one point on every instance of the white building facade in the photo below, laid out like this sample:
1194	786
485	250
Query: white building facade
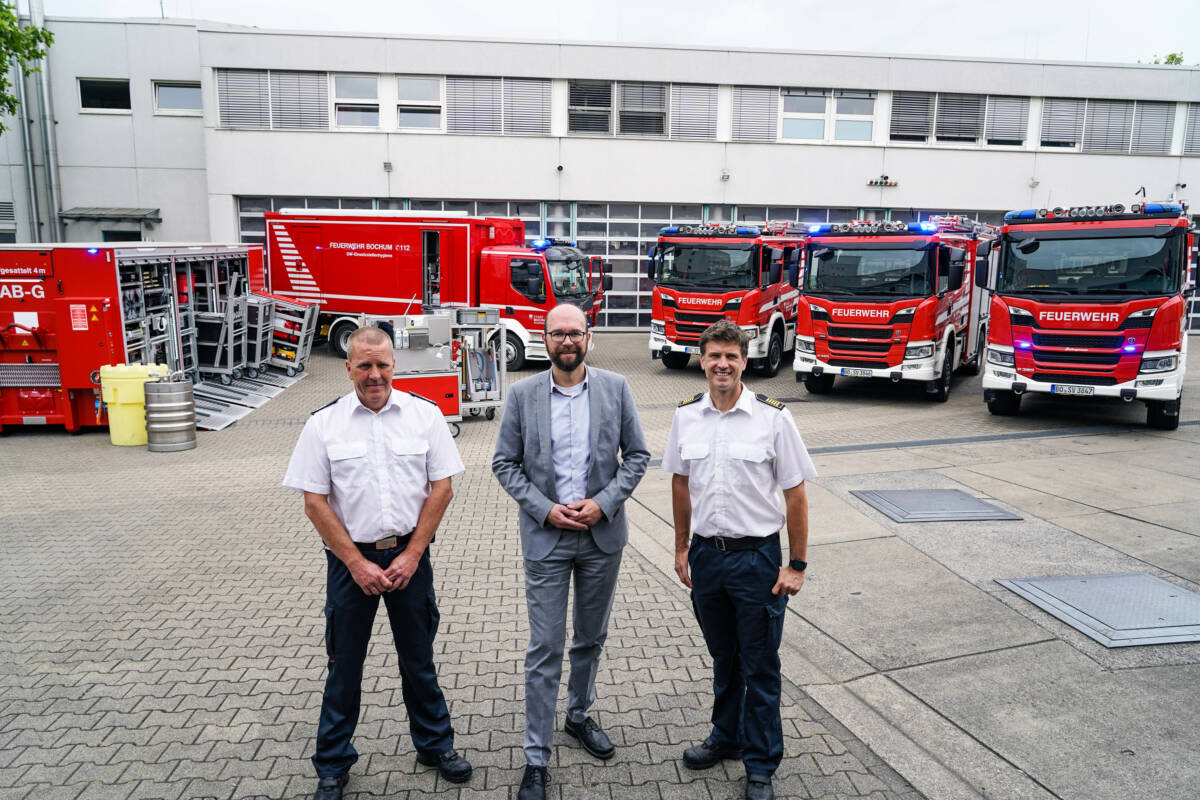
178	131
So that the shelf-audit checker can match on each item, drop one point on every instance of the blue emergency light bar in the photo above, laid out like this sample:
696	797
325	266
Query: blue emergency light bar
709	230
871	228
1114	211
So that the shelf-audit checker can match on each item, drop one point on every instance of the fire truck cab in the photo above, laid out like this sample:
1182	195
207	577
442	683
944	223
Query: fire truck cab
891	299
388	263
1088	302
745	274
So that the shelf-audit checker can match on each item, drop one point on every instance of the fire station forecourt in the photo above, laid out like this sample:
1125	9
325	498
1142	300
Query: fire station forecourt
161	614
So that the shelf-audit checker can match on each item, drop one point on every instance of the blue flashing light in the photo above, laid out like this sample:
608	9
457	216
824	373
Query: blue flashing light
539	244
746	231
819	228
1130	348
668	230
923	227
1024	345
1028	213
93	250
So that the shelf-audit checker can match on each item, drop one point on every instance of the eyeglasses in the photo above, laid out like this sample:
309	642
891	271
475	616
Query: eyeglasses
558	337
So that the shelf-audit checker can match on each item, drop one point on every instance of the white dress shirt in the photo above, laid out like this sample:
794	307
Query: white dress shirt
736	461
375	468
570	427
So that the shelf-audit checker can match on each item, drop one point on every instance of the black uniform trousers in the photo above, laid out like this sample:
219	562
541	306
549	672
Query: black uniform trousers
349	617
742	624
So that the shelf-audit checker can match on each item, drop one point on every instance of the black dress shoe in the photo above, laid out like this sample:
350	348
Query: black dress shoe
758	787
708	753
453	767
533	784
330	788
591	737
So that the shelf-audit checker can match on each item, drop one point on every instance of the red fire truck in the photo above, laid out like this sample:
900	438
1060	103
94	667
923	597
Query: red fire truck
890	299
68	309
390	263
704	273
1089	302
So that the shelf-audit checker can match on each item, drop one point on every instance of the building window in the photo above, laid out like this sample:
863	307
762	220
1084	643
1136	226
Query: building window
104	94
1062	122
912	116
959	118
299	100
643	110
419	102
693	111
120	236
755	113
1007	120
804	113
243	98
527	106
1191	136
854	119
589	107
182	99
1109	126
356	101
474	105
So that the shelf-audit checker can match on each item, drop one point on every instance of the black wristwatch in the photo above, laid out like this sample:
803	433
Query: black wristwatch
798	564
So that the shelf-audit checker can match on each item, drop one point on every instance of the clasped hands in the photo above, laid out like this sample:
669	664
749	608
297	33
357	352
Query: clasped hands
577	516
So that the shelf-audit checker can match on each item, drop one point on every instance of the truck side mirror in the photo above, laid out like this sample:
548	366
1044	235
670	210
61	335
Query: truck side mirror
533	285
983	249
983	273
606	282
650	266
774	273
956	275
794	276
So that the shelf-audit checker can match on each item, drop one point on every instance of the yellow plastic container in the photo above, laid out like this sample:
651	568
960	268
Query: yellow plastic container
123	388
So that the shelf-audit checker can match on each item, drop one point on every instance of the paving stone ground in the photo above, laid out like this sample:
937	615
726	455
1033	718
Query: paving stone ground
161	626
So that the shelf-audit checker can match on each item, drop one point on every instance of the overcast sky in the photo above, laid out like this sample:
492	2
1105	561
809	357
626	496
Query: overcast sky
1105	30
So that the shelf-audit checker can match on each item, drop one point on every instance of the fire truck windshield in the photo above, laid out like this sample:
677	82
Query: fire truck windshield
1095	265
568	271
720	266
838	270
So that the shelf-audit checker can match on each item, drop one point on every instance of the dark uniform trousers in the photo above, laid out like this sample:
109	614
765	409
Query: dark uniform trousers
742	624
349	616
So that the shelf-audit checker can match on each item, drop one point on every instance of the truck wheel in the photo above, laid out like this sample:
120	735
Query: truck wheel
941	386
675	360
1163	415
973	366
1003	403
514	352
818	384
769	367
339	338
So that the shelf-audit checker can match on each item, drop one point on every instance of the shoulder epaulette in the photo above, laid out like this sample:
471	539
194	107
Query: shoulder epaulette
327	405
771	401
421	397
690	400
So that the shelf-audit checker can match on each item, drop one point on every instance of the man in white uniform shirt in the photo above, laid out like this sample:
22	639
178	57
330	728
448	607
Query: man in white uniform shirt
374	467
730	452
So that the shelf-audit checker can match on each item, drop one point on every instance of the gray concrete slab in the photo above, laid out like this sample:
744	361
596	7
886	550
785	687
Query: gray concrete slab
1181	516
1077	729
1168	550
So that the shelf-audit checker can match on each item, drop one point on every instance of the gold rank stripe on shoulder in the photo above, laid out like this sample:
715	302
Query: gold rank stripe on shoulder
771	401
690	400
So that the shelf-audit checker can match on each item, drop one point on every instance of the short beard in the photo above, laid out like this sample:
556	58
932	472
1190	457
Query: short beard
557	360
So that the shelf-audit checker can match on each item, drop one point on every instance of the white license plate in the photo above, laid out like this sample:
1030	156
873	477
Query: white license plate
857	373
695	351
1058	388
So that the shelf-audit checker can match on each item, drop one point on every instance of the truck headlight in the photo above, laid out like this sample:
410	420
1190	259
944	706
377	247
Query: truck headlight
1159	364
658	329
751	331
805	345
1000	357
918	351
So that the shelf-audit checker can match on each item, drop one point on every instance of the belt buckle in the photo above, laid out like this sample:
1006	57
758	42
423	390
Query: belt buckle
386	544
720	541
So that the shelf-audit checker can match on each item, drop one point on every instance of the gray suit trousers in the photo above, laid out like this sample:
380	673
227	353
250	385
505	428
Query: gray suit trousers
547	582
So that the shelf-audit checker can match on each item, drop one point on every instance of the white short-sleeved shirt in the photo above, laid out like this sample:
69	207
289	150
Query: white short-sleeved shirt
735	462
375	468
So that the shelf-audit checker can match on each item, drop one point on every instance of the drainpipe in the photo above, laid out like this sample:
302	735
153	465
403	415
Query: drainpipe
49	140
35	225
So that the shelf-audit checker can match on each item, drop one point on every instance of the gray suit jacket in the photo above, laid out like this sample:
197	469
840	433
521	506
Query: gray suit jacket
524	465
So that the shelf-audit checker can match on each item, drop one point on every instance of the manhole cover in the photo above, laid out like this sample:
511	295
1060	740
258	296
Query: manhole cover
1116	610
931	505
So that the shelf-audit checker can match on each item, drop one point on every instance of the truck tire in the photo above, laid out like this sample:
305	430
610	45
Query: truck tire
1003	403
1163	415
941	386
339	338
973	366
675	360
818	384
514	352
768	367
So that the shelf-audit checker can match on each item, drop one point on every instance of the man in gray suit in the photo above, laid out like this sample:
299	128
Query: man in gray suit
557	455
